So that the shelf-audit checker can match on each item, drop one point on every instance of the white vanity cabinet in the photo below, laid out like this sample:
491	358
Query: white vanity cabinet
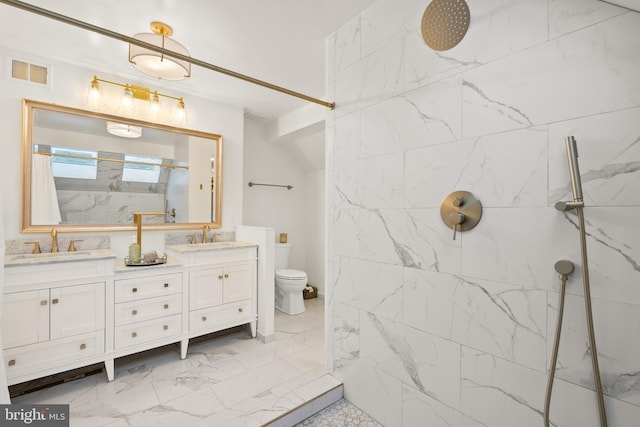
53	318
222	287
147	311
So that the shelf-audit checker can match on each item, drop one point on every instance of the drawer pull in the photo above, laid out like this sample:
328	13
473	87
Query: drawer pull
166	306
134	290
54	301
83	346
226	276
166	285
204	318
43	302
166	327
220	277
134	334
134	312
12	362
240	309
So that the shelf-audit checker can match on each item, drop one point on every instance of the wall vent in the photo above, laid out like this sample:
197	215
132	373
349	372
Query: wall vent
29	72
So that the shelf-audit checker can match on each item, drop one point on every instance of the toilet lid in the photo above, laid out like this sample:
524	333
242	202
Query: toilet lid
291	274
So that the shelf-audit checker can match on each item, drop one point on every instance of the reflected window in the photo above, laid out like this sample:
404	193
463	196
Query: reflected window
141	169
73	163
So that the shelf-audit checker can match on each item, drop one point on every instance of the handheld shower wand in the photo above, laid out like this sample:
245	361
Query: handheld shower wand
578	205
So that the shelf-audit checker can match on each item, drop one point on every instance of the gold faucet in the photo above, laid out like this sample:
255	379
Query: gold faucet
137	220
54	240
204	233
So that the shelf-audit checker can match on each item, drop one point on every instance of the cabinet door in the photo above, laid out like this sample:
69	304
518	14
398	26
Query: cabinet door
25	318
76	310
205	288
237	283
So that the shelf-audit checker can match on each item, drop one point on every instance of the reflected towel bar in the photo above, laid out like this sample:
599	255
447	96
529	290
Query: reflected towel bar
288	187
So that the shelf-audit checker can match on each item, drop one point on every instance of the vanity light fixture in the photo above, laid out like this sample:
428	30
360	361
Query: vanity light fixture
158	64
132	92
124	130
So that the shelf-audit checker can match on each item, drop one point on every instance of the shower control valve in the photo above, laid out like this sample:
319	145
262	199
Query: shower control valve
461	211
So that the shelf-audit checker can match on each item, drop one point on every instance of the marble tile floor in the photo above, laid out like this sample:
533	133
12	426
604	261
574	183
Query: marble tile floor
226	380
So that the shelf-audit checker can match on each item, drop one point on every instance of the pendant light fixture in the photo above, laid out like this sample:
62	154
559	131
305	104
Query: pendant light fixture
158	64
124	130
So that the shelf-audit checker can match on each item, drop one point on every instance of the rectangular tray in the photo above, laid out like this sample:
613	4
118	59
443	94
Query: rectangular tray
145	262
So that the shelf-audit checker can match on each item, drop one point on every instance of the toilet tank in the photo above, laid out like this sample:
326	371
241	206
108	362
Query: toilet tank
282	256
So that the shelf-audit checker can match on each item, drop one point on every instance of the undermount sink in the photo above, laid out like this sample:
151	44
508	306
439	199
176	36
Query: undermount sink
47	257
192	247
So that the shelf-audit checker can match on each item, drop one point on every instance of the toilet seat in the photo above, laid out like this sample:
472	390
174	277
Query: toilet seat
291	274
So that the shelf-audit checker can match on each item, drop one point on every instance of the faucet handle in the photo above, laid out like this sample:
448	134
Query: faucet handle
72	246
214	237
36	247
192	239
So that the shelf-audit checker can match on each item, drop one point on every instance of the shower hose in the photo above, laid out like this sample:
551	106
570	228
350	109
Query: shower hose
592	340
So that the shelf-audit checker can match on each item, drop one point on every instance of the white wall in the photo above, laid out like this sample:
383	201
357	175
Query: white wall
432	331
297	212
69	87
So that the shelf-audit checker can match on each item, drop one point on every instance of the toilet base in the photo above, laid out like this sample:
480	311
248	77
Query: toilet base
290	303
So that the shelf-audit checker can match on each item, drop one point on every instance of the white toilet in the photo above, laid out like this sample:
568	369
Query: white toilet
289	283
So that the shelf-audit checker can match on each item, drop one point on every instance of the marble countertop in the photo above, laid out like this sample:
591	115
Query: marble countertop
49	258
213	246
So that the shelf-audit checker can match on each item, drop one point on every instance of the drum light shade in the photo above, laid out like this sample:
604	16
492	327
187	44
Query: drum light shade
157	64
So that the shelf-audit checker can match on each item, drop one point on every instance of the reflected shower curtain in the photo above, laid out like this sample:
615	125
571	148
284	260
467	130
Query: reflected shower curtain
43	192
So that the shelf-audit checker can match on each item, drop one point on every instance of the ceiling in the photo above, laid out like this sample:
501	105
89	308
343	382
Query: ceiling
278	41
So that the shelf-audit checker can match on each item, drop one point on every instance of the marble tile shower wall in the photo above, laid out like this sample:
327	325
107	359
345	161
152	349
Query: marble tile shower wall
433	331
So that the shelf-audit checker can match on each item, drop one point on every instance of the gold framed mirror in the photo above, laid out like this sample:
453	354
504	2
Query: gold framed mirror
89	171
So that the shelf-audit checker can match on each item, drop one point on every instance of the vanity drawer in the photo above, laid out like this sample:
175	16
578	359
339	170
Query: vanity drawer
221	315
147	309
147	287
150	330
31	358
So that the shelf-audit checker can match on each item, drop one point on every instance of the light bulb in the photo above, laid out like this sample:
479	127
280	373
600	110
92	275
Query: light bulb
126	103
181	112
94	93
154	103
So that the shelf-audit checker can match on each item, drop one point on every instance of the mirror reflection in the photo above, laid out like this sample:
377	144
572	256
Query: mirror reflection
86	170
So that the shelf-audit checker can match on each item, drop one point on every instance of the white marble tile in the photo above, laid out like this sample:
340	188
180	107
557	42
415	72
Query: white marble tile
348	184
347	138
618	356
518	246
382	184
613	248
346	328
497	28
382	23
566	16
558	80
608	149
504	320
500	393
420	409
426	116
427	362
346	231
502	170
374	78
371	389
347	44
372	287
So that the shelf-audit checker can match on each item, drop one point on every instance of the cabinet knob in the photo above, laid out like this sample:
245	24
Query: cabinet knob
220	277
54	301
166	285
83	346
134	334
204	318
134	312
43	302
226	276
166	306
134	290
240	309
166	327
12	362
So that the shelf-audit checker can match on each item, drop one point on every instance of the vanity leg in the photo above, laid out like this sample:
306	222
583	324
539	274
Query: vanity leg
183	348
253	324
108	366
